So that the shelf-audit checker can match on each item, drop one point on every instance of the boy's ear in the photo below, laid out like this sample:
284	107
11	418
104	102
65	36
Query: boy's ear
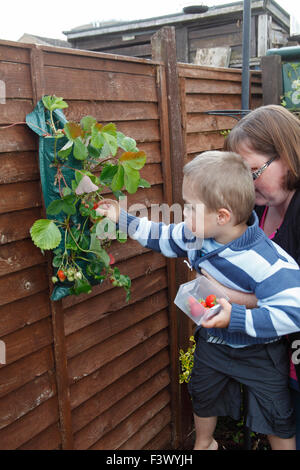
224	216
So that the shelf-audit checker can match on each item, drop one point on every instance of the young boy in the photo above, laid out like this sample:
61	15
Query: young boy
239	345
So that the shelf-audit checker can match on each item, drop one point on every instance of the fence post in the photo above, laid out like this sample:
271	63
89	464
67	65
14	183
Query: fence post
61	372
164	50
271	79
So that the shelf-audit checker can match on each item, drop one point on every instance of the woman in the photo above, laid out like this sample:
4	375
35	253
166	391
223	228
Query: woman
268	138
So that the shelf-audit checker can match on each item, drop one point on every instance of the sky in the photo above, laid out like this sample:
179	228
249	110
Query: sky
49	19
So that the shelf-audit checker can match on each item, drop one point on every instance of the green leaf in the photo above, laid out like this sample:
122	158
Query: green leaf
45	234
73	130
56	262
80	150
111	141
144	183
108	173
55	207
135	160
110	128
128	144
82	286
96	247
118	179
54	102
131	178
97	139
87	122
65	151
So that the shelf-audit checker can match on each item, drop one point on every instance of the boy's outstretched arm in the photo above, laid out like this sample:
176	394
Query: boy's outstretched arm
173	240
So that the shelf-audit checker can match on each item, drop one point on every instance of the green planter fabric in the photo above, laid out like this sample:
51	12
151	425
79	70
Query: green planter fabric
38	121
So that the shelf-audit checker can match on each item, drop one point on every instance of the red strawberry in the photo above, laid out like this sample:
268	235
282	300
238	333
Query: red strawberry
211	300
112	259
61	275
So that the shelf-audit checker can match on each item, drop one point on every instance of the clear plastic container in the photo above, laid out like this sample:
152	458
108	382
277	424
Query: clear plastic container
191	292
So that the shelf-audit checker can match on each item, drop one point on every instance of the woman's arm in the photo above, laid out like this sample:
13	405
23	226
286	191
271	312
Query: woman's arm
236	297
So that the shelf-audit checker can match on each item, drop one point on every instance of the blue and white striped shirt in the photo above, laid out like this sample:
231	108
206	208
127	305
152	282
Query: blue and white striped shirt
250	263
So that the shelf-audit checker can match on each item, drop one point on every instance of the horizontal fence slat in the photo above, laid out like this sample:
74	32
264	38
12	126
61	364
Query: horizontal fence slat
16	225
50	439
206	86
98	85
18	196
23	284
92	359
19	255
28	340
14	110
17	138
206	123
16	315
104	376
112	111
16	77
29	425
199	103
120	410
150	430
113	324
18	166
116	438
113	299
20	402
103	400
17	374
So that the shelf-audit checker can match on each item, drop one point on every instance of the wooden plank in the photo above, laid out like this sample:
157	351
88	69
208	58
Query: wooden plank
17	138
14	110
116	438
205	86
18	166
101	378
17	80
113	299
126	384
97	55
201	102
16	225
136	50
206	123
205	141
272	89
142	131
46	440
17	315
161	441
18	196
103	43
209	73
25	399
149	431
113	324
29	425
27	340
17	374
120	410
19	255
113	111
91	360
23	284
99	85
14	52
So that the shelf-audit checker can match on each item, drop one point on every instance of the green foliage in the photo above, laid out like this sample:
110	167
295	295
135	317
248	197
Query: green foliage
80	239
186	360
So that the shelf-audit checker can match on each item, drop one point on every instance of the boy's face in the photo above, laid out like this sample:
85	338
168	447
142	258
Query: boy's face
200	221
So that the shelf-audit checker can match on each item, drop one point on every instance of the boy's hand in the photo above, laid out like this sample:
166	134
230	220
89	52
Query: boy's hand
109	208
222	319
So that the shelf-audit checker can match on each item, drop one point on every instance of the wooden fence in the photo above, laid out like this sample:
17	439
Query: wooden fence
92	372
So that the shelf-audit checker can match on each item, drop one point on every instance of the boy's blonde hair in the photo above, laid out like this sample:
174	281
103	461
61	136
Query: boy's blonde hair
222	180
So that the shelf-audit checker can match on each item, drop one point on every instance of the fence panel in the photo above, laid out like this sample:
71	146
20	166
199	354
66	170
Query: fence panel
91	371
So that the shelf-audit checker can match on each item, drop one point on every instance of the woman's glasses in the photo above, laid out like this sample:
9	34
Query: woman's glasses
257	173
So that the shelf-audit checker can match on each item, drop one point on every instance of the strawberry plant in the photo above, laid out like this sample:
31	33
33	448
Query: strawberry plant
85	159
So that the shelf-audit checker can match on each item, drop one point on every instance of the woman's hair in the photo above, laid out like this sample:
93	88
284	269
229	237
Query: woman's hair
272	131
222	180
